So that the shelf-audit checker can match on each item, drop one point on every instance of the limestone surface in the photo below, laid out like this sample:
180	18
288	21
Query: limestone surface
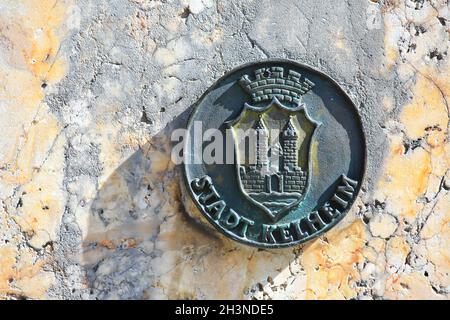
92	205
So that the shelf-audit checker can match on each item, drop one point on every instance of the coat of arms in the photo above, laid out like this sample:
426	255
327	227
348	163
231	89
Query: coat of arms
273	139
274	153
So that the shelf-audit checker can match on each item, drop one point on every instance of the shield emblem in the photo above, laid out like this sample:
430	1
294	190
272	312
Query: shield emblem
281	157
272	148
272	154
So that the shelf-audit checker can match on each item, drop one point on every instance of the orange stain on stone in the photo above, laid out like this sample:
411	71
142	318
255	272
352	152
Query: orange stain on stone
7	272
410	286
43	19
21	278
31	60
330	265
391	50
404	180
426	110
107	244
31	157
413	178
409	174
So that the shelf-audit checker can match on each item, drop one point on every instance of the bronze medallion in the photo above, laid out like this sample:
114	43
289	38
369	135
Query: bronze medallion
274	154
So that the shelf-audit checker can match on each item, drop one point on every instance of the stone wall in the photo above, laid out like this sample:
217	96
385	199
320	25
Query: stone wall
294	181
252	179
91	205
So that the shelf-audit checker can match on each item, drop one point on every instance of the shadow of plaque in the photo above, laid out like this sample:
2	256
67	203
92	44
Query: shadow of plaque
141	241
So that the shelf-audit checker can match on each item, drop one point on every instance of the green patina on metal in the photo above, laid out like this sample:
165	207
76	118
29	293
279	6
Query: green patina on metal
273	194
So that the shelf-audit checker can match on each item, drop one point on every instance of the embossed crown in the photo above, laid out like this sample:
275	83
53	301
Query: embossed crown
271	82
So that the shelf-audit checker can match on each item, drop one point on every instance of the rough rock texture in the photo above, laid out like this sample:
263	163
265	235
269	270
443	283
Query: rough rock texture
91	203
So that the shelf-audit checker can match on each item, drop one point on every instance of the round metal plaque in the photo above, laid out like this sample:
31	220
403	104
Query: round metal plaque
274	154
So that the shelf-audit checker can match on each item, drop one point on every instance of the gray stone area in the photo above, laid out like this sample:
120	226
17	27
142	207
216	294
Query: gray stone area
139	66
92	206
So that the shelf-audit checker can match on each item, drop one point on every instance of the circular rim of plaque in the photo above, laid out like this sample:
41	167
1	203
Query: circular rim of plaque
283	205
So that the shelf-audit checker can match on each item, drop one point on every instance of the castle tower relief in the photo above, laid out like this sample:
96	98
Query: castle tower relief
278	177
288	176
289	140
262	138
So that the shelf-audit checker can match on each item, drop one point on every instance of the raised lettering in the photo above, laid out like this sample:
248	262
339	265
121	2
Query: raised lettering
231	219
348	188
267	235
298	232
215	209
339	201
200	183
285	234
306	226
328	213
212	194
244	223
315	221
